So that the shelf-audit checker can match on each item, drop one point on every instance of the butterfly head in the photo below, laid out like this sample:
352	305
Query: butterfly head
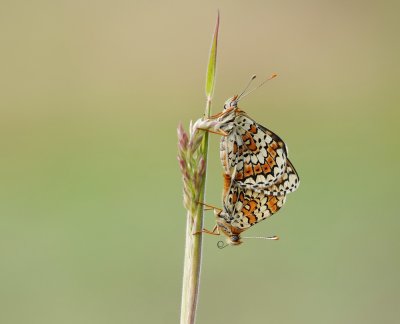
231	103
234	240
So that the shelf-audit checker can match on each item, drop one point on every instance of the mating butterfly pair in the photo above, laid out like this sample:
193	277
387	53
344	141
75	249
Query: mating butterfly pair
258	174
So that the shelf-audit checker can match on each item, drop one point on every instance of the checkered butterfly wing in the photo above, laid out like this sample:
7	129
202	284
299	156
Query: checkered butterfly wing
260	157
289	182
246	207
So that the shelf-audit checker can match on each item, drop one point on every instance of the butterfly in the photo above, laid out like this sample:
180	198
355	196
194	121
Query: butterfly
258	174
242	209
258	154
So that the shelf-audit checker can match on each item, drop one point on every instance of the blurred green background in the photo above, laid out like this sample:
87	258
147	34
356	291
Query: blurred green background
91	217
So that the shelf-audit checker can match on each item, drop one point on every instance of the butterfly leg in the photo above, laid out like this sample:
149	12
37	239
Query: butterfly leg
221	132
225	112
209	207
215	231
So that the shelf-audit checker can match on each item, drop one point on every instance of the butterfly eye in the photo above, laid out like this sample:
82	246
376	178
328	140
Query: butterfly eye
235	238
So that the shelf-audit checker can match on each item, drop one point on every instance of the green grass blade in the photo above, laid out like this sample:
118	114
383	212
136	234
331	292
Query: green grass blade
212	62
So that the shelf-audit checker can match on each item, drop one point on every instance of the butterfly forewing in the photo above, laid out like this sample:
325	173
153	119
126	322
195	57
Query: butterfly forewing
259	155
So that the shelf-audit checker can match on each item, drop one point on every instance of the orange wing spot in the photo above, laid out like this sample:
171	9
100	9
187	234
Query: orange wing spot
248	170
253	205
227	183
248	210
252	146
239	176
252	219
235	148
274	209
270	161
274	145
257	168
249	141
253	129
271	151
234	198
271	200
272	204
266	168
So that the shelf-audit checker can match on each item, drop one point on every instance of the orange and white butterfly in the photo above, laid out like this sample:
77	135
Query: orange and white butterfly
243	208
259	155
257	171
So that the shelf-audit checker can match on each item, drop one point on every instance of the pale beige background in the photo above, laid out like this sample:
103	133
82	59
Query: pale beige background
91	219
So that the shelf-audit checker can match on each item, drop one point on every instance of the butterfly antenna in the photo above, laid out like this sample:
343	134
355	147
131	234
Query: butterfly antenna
248	85
274	238
260	85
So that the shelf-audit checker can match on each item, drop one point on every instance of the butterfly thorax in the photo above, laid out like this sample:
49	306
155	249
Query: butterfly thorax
229	114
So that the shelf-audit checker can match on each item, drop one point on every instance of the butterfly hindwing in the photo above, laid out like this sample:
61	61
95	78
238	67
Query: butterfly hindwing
246	207
289	182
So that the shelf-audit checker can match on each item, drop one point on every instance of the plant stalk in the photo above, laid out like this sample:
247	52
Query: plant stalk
193	247
193	163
